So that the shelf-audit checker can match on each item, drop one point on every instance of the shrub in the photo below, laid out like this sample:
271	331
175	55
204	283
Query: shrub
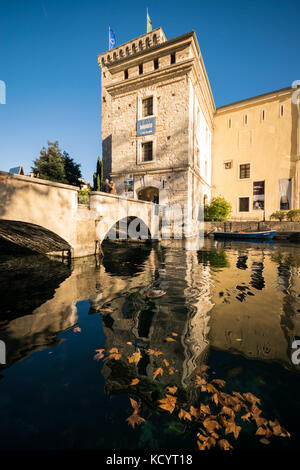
293	214
83	196
218	210
278	215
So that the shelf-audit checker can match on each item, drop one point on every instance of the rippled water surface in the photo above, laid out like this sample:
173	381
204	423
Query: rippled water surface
234	307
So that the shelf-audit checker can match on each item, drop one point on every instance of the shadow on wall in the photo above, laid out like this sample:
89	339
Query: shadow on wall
107	156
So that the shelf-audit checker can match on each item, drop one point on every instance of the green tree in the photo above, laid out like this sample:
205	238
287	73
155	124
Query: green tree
72	170
50	165
98	176
218	210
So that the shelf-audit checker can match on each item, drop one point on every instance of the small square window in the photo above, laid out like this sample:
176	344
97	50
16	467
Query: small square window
147	151
155	63
147	106
173	58
244	171
243	204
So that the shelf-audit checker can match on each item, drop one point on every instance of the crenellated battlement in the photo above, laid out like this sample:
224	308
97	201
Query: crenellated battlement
133	47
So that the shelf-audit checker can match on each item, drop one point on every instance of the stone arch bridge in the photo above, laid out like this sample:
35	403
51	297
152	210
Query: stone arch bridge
44	216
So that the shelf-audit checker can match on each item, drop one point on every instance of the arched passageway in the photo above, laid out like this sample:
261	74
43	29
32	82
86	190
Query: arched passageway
148	193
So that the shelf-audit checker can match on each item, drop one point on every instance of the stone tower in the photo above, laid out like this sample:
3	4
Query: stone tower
157	119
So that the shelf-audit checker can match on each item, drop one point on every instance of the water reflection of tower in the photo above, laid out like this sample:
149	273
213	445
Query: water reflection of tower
198	299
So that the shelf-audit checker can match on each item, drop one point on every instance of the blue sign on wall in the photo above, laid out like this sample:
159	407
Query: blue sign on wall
145	126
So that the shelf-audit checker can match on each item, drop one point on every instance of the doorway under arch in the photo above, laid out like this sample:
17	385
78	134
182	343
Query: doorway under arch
148	193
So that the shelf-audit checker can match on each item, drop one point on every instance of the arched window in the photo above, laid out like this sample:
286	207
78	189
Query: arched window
141	45
133	48
148	42
127	50
154	39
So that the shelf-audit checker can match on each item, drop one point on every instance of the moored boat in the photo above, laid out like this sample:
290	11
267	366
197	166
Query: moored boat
245	235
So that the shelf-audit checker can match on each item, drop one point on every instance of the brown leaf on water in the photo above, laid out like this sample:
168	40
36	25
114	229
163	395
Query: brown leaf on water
203	368
170	339
219	382
151	352
233	428
201	445
158	371
135	405
77	329
246	417
172	390
260	421
205	409
278	430
264	432
255	411
113	351
211	425
224	444
99	354
264	441
135	419
166	363
184	415
227	411
174	334
200	382
211	442
194	412
215	398
135	381
252	398
168	403
115	356
211	389
135	357
171	370
238	395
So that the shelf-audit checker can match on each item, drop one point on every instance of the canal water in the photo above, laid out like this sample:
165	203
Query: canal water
88	346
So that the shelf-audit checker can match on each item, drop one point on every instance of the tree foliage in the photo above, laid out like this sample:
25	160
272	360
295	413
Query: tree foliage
98	176
218	210
53	165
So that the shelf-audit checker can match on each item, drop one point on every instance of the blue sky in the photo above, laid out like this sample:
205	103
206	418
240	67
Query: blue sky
48	60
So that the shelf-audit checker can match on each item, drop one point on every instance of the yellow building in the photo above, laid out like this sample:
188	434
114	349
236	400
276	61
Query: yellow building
256	155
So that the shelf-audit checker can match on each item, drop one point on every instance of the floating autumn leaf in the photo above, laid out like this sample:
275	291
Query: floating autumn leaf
255	411
211	389
115	356
168	403
99	354
194	412
184	415
172	390
233	428
174	334
204	409
215	398
135	419
246	417
224	444
265	441
203	368
135	357
238	395
135	405
278	430
227	411
264	432
200	382
151	352
129	342
166	363
158	371
260	421
219	382
113	350
251	398
211	424
135	381
171	370
170	339
77	329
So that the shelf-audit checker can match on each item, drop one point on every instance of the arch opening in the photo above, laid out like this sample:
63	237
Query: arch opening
148	193
129	228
